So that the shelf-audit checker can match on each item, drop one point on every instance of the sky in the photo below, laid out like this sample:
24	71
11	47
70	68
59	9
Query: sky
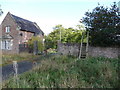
49	13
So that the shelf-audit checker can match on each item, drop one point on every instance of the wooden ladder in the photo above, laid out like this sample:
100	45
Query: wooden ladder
84	46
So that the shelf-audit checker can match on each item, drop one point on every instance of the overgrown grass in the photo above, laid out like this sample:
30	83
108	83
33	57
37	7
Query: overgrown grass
8	58
67	72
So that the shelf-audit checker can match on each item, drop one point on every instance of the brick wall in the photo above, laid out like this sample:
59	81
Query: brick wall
24	36
8	21
73	49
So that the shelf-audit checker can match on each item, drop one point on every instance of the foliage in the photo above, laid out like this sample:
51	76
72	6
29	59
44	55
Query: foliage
1	12
39	43
104	25
68	35
67	72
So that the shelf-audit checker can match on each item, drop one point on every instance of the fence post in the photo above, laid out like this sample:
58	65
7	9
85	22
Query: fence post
35	48
15	68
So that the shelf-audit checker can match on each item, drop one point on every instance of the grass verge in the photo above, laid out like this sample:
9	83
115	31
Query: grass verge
67	72
8	58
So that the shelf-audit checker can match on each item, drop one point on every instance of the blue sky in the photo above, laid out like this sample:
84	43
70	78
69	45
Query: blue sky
48	13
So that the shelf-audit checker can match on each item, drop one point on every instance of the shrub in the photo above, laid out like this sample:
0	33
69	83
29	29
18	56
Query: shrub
39	43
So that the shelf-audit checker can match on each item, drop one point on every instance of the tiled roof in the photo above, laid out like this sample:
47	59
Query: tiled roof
27	25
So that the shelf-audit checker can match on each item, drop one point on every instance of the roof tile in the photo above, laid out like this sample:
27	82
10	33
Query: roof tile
27	25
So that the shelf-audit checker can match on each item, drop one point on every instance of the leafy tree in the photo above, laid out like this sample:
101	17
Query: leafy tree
1	12
49	43
52	39
68	35
74	35
104	25
39	43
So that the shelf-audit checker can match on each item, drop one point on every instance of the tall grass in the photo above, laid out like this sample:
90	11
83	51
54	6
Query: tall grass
8	58
67	72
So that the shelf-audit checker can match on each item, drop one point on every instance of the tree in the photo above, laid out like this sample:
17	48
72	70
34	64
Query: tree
49	43
67	35
1	12
51	40
74	35
39	43
104	25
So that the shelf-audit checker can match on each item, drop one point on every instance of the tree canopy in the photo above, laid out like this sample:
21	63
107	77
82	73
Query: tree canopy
68	35
1	12
39	43
103	24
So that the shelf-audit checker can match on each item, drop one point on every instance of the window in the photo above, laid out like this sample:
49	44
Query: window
21	34
25	44
7	29
6	44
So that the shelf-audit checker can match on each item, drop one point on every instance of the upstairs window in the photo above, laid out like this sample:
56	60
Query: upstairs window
7	29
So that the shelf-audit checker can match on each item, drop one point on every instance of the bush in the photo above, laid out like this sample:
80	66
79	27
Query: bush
39	43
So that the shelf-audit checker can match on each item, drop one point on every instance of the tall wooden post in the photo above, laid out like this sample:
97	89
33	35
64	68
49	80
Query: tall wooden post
87	46
81	47
35	48
15	68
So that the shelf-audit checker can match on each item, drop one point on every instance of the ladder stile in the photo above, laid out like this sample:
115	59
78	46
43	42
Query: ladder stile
84	46
81	47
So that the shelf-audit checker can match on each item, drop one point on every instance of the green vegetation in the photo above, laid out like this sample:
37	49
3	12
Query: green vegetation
67	72
68	35
1	12
103	24
39	43
8	58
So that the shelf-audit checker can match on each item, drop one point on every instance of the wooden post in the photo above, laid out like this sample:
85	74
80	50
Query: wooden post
15	68
87	44
35	48
81	47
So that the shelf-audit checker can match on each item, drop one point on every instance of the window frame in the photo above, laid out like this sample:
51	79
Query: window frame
7	29
6	44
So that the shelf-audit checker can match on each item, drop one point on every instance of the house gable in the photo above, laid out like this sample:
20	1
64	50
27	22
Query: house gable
8	21
13	34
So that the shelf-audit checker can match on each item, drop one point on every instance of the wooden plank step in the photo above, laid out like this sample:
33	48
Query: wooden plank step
83	57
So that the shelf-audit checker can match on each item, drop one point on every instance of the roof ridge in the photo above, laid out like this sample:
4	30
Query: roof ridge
14	16
26	25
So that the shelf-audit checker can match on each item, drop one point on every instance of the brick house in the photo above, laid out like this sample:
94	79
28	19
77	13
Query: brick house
15	31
